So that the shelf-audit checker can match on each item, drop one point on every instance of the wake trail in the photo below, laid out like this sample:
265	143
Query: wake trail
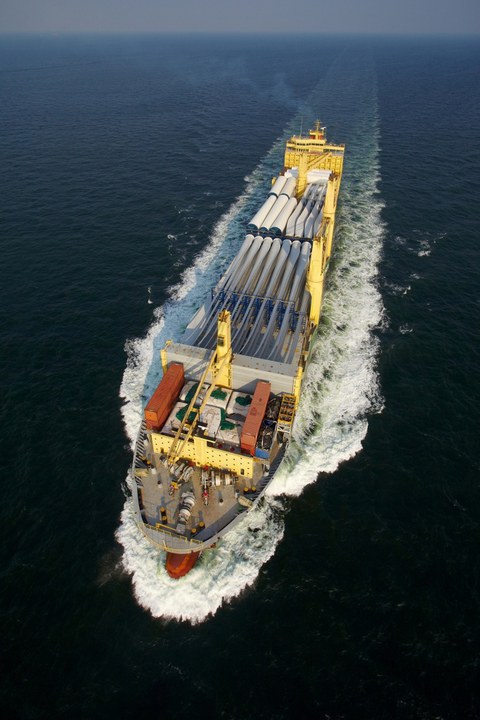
340	388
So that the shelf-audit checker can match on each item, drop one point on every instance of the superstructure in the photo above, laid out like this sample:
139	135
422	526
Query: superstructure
216	428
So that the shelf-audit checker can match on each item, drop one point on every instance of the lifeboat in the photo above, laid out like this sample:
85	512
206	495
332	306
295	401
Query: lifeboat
179	565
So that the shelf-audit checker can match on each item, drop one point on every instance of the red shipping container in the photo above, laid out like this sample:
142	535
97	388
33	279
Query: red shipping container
256	413
165	396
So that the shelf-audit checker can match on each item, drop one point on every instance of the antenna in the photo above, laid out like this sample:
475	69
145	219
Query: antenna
301	125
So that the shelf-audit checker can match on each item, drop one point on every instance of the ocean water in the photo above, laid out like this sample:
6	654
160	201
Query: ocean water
130	165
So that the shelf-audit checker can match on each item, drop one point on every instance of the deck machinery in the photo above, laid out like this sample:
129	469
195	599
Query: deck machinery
216	428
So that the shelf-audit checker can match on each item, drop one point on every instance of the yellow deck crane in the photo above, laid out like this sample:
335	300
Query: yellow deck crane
219	366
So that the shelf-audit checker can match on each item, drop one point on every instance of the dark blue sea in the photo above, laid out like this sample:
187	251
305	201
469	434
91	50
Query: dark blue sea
129	166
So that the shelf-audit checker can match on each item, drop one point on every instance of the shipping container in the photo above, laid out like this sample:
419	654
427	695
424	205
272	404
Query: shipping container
255	416
165	396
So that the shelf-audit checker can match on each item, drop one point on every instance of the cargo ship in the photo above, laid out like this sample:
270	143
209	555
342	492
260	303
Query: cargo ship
217	426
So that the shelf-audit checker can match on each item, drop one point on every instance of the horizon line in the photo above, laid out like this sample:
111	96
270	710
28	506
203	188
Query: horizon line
287	33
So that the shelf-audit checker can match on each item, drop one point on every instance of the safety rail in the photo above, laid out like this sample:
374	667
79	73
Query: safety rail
169	531
181	542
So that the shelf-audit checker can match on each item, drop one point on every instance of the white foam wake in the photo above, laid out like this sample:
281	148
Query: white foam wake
220	575
340	389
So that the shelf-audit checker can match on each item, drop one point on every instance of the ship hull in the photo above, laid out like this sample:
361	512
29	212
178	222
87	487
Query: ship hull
178	566
217	426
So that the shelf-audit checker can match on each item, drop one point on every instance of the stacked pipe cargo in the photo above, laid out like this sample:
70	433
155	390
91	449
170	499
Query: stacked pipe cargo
163	399
278	185
255	416
280	223
274	212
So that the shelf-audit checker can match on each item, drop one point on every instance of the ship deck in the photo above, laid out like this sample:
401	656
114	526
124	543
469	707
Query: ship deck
155	492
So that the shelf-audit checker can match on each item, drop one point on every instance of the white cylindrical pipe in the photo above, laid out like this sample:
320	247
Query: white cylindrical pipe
264	349
318	176
261	214
251	315
310	223
256	267
235	284
274	212
298	283
229	273
289	187
251	343
280	222
307	195
212	309
290	230
320	195
289	355
278	185
300	224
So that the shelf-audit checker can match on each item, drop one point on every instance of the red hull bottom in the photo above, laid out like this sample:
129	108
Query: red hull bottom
179	565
